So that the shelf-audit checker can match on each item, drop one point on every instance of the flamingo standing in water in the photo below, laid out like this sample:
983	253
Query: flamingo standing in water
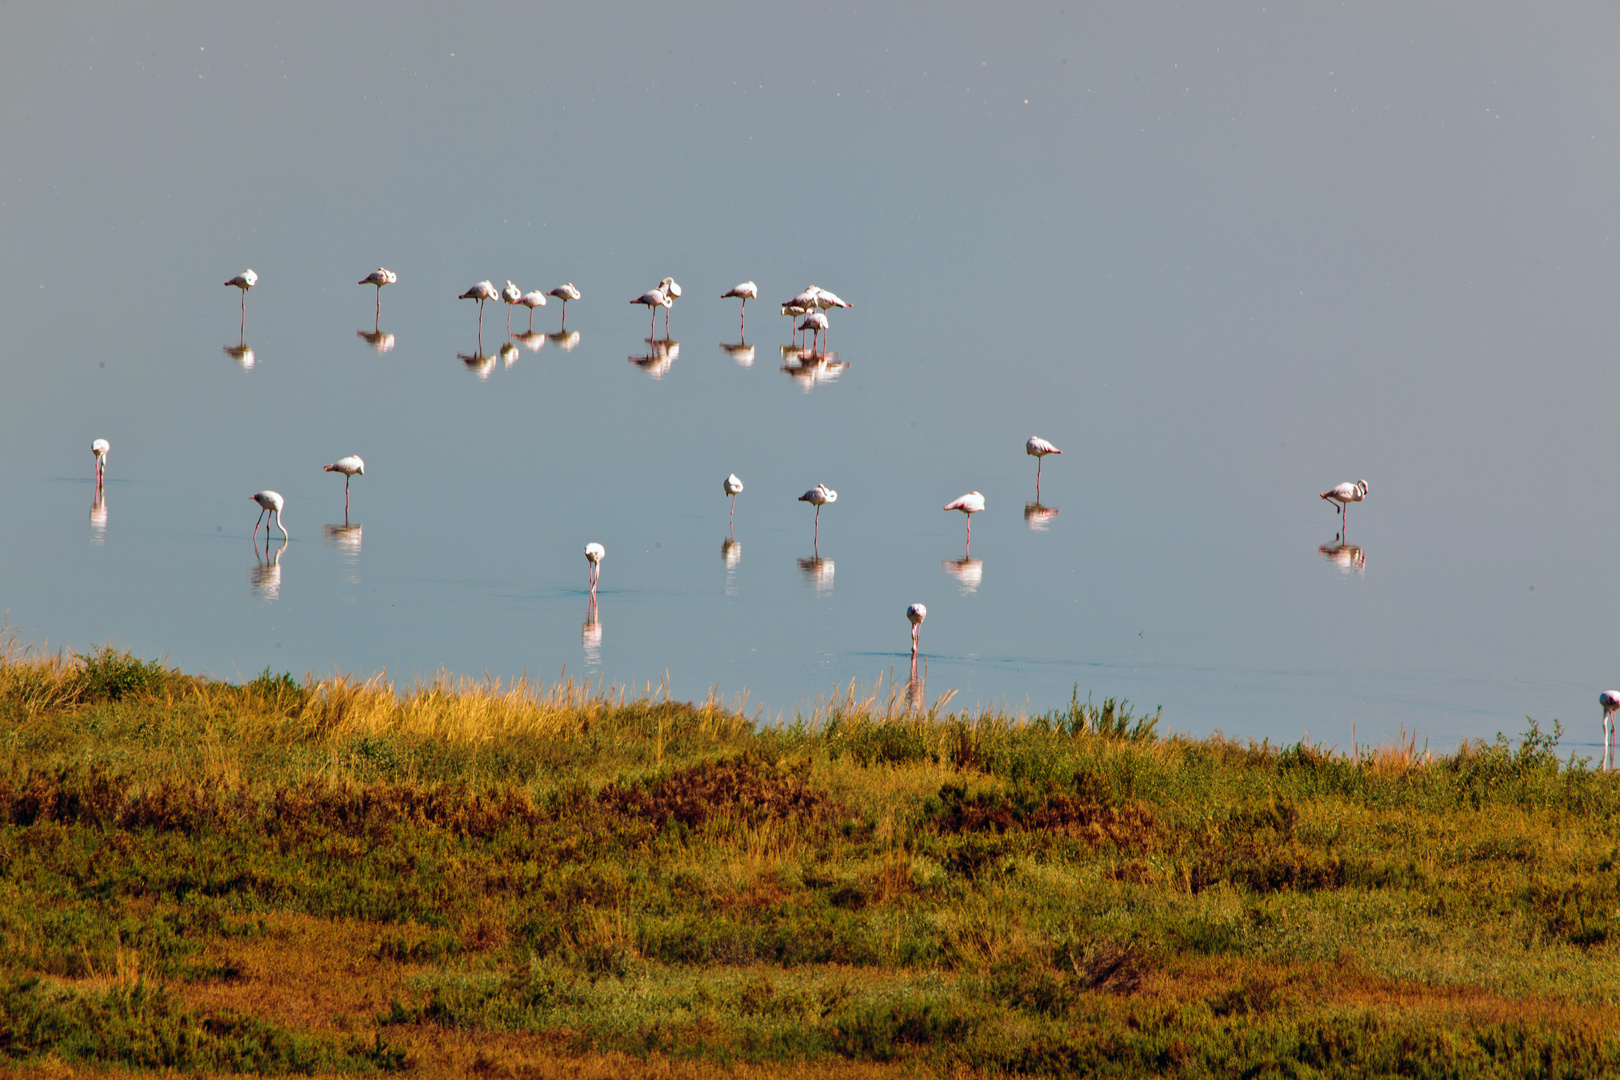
100	447
244	281
350	467
512	295
594	554
379	277
814	321
270	502
746	292
673	291
819	496
969	504
916	613
531	301
1610	700
565	293
481	292
732	487
1344	494
655	299
1038	448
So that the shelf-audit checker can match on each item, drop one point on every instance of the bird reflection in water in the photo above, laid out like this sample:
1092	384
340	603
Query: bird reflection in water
808	369
242	353
346	539
731	553
1038	516
381	340
591	635
662	355
265	577
480	366
1346	557
742	352
509	355
534	340
98	516
564	339
818	571
967	572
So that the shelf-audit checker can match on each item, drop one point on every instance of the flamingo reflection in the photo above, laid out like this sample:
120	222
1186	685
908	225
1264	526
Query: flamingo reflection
346	539
967	572
818	571
265	577
381	340
591	634
98	516
242	353
660	357
509	354
742	352
731	554
478	365
564	339
1346	557
1038	516
808	369
534	340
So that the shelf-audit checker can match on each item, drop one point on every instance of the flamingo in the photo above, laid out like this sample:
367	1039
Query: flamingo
1038	448
806	299
350	467
480	292
916	613
969	504
100	447
814	321
379	277
746	291
512	295
673	291
244	281
825	299
819	496
1610	700
1344	494
565	293
269	502
654	299
594	554
793	311
531	301
732	487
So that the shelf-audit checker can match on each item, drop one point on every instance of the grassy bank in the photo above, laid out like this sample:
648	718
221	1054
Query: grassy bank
289	876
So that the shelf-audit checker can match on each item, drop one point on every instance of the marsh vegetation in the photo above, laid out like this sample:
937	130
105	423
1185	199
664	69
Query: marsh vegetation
339	876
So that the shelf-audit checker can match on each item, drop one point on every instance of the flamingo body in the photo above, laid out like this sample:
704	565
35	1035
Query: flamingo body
745	292
481	292
819	496
532	300
350	467
244	281
1038	447
970	504
594	554
566	292
825	299
733	486
379	277
1344	494
270	502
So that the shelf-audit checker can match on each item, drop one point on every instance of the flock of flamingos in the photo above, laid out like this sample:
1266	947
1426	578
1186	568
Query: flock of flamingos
809	311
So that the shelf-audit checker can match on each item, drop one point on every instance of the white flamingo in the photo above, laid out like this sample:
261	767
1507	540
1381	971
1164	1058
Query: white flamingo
531	301
244	281
350	467
99	448
825	299
732	487
594	554
481	292
565	293
1038	448
1610	700
745	292
916	613
379	277
673	291
819	496
969	504
806	299
269	502
1344	494
793	311
512	295
817	322
655	299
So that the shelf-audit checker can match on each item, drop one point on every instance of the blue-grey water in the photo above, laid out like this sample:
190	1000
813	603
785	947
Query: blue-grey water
1224	256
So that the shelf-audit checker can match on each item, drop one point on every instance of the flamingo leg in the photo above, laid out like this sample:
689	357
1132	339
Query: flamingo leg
565	313
733	519
256	527
816	538
531	320
346	480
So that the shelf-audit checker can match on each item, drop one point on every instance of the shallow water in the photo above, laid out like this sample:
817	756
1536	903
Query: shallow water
1222	262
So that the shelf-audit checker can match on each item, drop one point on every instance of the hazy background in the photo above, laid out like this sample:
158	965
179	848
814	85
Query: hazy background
1223	257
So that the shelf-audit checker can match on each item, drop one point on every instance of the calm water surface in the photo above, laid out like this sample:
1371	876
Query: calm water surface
1223	260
